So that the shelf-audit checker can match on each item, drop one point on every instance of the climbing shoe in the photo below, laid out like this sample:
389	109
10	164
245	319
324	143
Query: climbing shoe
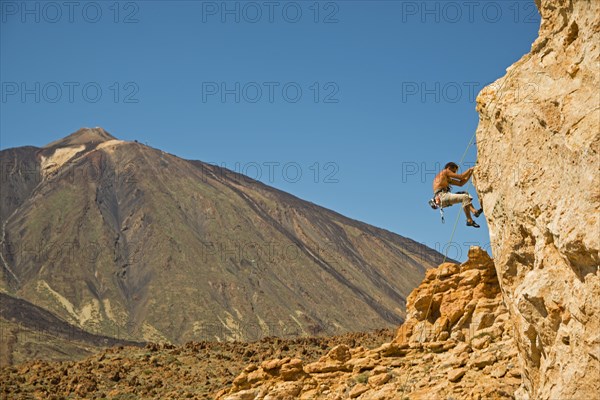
473	224
478	213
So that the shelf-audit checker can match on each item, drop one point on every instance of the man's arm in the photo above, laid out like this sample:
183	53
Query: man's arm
460	179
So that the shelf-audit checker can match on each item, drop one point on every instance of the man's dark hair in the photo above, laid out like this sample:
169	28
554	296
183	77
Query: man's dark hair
451	165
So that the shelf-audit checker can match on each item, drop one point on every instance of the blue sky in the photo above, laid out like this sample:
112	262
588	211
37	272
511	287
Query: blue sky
353	105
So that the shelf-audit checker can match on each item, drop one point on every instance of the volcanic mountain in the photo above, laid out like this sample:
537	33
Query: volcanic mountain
124	240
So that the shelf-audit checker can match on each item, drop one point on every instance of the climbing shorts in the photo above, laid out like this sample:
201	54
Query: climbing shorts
448	199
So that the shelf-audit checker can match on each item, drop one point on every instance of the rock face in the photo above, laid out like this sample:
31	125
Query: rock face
538	154
456	343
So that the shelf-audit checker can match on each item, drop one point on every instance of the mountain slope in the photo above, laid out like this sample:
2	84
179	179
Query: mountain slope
30	332
123	239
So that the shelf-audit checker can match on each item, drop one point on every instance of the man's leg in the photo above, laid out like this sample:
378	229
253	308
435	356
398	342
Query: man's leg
467	202
449	199
475	211
468	207
470	221
464	198
468	213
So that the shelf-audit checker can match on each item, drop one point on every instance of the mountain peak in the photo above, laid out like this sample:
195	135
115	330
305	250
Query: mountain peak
82	136
112	194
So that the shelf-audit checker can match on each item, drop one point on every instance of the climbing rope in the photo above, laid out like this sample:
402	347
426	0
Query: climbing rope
455	224
457	214
445	258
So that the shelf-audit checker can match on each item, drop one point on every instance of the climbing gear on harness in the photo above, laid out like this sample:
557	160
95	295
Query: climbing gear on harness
436	202
433	204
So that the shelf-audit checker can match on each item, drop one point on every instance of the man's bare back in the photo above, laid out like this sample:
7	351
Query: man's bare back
448	176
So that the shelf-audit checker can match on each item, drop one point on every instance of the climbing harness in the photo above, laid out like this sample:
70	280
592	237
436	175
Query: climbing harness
436	202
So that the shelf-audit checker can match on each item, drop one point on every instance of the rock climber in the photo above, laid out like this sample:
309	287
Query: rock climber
443	196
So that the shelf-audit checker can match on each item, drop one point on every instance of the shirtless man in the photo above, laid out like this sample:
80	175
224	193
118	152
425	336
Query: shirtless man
444	198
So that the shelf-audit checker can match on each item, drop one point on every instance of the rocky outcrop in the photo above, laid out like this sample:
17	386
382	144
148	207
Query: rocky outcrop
455	301
456	343
538	155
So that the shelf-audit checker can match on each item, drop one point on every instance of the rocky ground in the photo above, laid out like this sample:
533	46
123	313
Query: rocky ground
196	370
456	344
